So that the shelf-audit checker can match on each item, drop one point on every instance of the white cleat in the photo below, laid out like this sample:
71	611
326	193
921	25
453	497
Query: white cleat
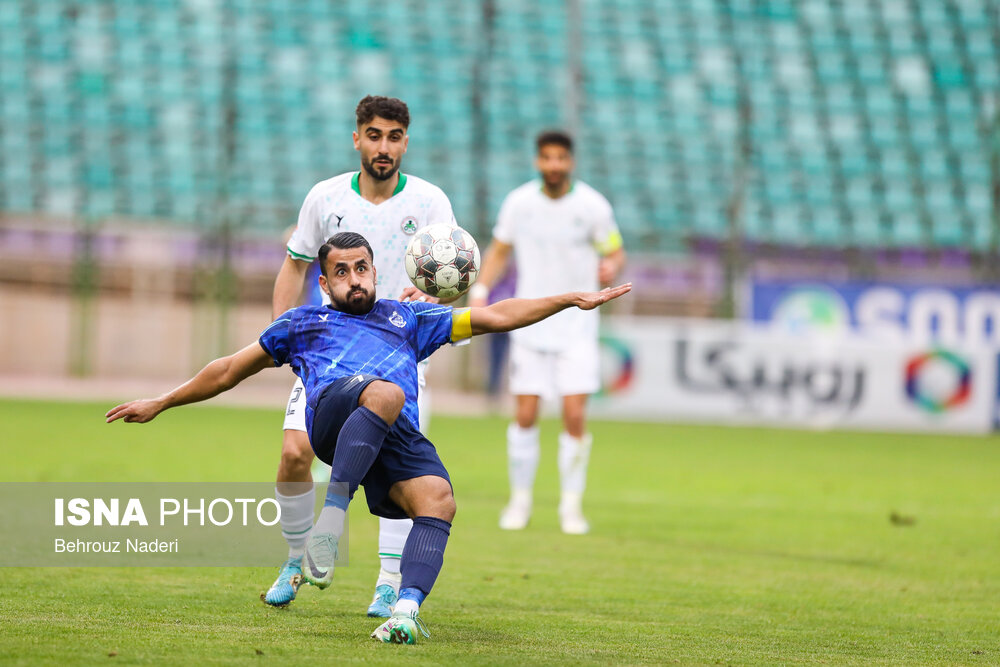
319	559
571	518
401	629
515	516
574	523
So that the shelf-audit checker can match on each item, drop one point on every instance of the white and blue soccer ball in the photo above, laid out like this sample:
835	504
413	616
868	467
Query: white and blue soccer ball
442	260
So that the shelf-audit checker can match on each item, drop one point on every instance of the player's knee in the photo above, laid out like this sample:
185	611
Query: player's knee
434	498
296	453
526	417
526	411
385	399
445	504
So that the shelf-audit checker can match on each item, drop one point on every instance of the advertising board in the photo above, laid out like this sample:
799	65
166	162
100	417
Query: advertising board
887	311
738	372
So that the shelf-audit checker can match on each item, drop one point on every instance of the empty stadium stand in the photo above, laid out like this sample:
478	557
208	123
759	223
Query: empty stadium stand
831	123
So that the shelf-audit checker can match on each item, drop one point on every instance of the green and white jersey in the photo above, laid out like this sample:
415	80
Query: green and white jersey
557	246
336	205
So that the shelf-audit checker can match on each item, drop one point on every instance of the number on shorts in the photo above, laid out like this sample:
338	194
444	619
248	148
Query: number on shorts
295	397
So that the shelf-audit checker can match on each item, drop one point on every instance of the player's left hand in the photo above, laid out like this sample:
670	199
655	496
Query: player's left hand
413	294
138	412
591	300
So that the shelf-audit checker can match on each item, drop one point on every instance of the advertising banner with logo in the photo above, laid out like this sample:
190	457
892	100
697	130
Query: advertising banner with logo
896	312
738	372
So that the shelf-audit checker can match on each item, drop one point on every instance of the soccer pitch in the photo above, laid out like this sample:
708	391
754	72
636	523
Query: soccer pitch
709	546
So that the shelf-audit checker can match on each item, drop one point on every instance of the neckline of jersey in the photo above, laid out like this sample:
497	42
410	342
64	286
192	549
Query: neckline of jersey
344	312
541	188
356	184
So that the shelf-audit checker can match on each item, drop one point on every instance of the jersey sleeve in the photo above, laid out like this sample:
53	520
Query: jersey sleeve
437	325
604	234
503	231
308	235
275	338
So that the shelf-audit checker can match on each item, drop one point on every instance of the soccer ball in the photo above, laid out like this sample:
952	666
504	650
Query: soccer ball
442	260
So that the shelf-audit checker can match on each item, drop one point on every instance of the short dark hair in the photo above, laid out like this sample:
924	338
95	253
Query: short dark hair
556	138
343	241
389	108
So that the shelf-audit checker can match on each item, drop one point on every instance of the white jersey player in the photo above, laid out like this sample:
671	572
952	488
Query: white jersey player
564	238
386	207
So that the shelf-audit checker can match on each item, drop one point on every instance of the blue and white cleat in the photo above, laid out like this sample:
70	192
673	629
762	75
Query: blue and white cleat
283	590
385	598
319	559
401	629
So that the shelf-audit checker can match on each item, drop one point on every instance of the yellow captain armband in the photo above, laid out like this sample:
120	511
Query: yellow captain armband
461	324
610	244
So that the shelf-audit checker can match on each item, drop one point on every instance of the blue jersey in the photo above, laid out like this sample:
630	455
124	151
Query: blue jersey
322	344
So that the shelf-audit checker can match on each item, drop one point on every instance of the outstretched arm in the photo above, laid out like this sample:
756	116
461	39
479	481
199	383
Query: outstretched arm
512	314
215	378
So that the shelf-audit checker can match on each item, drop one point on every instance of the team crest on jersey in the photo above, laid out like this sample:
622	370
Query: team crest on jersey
409	225
397	320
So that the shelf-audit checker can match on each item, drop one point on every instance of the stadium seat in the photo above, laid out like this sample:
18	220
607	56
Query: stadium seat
841	97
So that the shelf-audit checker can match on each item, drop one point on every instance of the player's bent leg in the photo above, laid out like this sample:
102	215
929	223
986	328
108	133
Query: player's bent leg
351	420
574	457
523	451
429	500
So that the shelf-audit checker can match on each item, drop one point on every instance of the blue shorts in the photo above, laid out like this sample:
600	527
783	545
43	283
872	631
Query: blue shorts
405	452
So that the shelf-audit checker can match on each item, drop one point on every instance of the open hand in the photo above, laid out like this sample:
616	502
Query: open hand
591	300
138	412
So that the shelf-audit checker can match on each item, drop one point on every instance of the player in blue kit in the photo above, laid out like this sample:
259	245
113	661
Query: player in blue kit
357	358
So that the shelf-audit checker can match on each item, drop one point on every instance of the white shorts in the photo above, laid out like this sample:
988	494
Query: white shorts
295	412
554	373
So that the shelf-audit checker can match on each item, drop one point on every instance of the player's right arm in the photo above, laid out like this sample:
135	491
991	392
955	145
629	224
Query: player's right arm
218	376
302	247
288	285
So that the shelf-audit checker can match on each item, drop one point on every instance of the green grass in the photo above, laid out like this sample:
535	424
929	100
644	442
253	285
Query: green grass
709	545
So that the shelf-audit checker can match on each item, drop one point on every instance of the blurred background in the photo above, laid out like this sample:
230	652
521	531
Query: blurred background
812	185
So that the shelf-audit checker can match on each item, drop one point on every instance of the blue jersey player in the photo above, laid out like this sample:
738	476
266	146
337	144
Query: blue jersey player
357	358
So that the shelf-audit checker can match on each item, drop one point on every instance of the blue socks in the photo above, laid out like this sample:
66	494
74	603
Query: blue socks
423	556
358	444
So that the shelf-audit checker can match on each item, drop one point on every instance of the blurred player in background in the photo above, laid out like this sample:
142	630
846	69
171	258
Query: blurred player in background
564	237
387	207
